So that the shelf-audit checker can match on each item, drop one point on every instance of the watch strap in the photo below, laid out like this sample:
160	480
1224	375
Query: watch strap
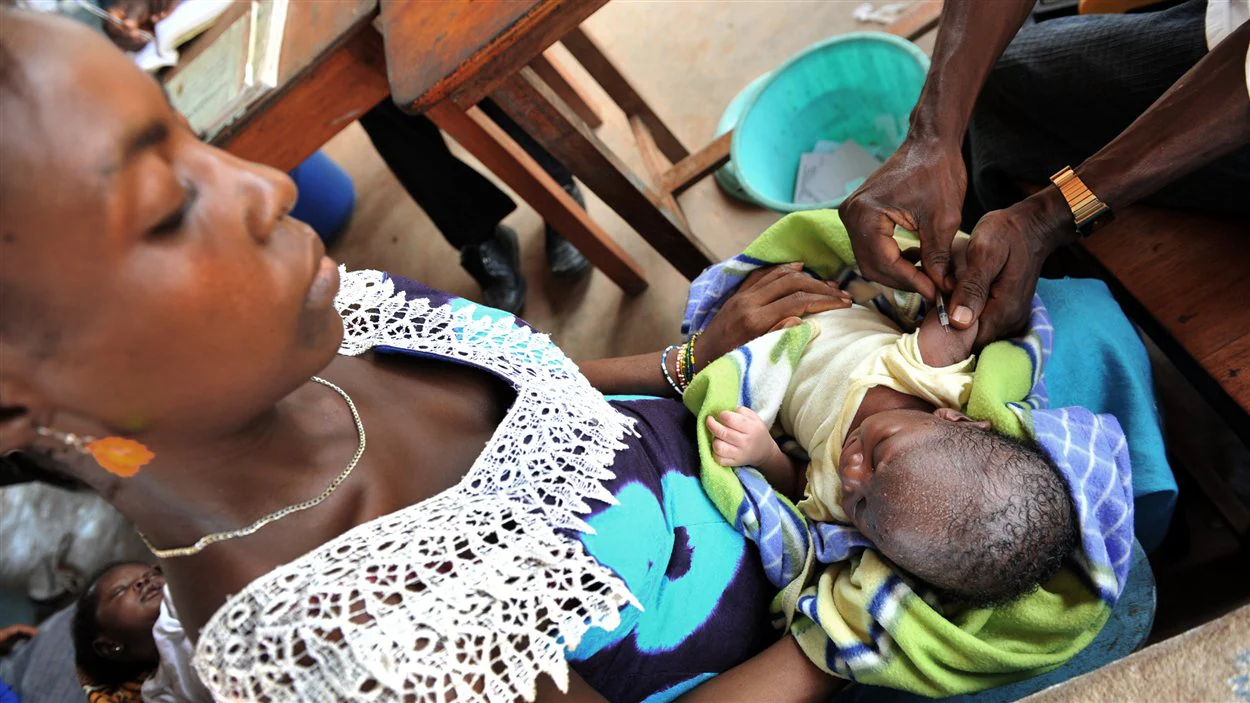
1088	212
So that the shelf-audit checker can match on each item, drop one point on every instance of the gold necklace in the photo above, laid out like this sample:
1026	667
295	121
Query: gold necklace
215	537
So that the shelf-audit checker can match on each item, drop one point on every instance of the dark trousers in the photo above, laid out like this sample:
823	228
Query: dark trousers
1066	87
464	205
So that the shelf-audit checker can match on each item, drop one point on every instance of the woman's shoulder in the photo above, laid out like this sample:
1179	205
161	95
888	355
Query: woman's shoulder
369	286
487	577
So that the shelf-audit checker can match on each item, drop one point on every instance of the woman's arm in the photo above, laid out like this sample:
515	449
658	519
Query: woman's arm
769	299
780	674
631	375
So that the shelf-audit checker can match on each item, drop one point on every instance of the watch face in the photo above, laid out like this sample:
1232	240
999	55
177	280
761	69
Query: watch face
1095	223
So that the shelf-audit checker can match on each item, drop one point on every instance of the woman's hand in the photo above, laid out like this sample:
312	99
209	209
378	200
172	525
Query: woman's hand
11	635
769	299
921	189
136	16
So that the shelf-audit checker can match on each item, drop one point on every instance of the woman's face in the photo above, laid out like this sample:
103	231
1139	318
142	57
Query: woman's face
155	285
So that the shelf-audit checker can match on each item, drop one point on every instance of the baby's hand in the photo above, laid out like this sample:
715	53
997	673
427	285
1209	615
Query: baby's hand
740	438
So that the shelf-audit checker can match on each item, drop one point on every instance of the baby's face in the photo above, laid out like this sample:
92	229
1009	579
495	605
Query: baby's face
898	486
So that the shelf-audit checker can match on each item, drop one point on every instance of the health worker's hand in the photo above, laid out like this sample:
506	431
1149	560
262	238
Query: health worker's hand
921	189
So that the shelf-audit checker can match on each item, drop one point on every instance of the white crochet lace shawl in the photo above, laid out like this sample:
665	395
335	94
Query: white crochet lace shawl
468	595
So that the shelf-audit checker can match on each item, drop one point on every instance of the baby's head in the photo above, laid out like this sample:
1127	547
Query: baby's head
982	517
112	629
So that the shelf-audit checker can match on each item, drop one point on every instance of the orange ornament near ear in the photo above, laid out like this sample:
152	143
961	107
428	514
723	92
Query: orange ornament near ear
120	456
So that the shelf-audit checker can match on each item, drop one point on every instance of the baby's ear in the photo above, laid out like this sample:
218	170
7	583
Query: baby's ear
952	415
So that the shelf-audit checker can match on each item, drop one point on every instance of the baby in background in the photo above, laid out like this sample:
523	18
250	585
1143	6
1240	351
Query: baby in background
980	516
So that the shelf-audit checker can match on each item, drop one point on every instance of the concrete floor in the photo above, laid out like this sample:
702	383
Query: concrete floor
689	59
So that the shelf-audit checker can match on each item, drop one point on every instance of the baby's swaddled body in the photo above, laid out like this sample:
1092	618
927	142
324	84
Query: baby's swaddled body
855	349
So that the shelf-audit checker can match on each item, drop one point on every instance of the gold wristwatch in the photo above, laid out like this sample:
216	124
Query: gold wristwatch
1088	211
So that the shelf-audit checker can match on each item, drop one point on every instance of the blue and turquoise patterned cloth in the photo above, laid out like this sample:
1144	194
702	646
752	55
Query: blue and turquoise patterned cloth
703	593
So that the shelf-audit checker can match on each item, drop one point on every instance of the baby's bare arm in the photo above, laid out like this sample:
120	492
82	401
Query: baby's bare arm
787	476
945	346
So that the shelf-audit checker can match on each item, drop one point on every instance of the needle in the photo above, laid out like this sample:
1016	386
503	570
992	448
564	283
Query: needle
942	316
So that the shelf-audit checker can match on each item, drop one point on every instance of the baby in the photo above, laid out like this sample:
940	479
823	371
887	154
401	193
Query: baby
127	638
980	516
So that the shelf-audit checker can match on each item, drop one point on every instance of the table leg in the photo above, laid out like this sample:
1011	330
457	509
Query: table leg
606	74
549	68
653	161
506	159
542	114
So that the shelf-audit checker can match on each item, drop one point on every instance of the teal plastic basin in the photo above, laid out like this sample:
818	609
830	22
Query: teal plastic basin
859	86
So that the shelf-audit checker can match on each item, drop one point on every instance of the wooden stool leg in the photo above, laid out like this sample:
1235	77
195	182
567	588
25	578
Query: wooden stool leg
698	165
542	114
605	73
656	166
549	68
506	159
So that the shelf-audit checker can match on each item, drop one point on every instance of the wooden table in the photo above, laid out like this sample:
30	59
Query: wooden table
331	71
1190	275
442	58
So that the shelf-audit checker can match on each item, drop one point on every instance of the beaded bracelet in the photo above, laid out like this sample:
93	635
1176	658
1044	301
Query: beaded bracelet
688	353
664	368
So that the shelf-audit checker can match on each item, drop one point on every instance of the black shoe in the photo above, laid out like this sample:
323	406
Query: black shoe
496	266
563	258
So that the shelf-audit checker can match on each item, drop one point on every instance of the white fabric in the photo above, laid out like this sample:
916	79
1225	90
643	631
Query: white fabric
856	349
467	596
175	680
1223	17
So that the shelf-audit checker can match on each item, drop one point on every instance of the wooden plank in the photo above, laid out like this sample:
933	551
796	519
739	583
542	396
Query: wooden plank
697	166
917	19
507	160
290	125
1183	268
614	83
1177	275
464	49
542	114
656	165
550	68
1230	368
